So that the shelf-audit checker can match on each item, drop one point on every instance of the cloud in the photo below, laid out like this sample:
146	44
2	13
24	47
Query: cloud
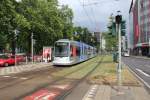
95	16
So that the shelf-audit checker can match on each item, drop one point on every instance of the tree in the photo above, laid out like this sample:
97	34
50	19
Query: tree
47	22
8	20
111	42
67	16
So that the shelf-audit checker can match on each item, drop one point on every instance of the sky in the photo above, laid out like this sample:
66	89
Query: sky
94	14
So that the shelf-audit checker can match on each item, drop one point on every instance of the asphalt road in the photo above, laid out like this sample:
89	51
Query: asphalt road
141	67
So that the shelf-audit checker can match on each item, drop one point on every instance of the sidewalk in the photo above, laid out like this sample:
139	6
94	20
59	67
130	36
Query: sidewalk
23	68
105	92
131	89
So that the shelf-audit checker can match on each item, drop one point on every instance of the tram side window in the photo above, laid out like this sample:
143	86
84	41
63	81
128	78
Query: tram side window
85	51
78	51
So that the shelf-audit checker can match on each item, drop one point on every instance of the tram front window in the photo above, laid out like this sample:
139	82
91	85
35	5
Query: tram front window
61	49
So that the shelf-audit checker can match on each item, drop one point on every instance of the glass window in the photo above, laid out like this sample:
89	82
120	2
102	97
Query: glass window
61	49
78	51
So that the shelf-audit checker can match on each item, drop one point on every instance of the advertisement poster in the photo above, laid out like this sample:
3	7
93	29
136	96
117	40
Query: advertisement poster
47	54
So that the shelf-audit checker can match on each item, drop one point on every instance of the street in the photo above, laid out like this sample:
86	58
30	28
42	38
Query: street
72	49
89	79
141	67
47	80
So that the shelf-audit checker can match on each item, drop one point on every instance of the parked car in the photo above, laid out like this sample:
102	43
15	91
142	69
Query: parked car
6	60
126	54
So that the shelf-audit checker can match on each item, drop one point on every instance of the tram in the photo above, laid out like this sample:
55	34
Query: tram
67	52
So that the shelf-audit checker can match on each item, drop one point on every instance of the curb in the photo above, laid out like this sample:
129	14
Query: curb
140	57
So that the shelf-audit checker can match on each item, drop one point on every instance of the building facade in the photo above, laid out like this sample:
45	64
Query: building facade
140	27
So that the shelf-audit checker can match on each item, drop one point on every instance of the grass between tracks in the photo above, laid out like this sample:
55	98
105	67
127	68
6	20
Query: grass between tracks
77	71
106	73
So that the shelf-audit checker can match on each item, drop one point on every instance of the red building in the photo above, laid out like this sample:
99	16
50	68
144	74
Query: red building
135	23
140	10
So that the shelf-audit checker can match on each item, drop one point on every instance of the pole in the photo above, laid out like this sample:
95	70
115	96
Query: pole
119	49
99	43
15	47
149	47
32	47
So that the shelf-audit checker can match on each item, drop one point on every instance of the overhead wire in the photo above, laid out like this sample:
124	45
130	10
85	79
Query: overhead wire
94	18
90	20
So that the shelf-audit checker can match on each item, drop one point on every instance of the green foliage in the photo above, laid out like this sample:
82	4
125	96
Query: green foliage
44	18
111	42
112	29
83	34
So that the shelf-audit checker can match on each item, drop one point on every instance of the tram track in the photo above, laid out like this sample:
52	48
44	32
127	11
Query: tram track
61	97
57	79
46	72
64	78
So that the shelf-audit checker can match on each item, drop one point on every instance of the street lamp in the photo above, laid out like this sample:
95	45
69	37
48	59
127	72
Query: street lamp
32	49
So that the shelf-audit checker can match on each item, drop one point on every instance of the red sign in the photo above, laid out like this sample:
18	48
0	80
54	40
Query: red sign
47	53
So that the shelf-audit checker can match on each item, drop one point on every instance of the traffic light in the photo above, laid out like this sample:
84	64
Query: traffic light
118	19
112	29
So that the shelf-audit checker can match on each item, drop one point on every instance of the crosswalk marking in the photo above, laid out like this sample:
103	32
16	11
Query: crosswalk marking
91	93
21	68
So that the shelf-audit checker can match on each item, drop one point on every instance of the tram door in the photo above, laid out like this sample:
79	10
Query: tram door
73	52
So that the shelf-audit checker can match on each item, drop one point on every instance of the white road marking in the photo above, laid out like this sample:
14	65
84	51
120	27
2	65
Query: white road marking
14	77
91	93
23	68
143	72
24	78
6	76
63	87
145	83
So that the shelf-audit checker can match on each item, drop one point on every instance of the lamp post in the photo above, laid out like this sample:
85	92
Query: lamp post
32	55
16	33
118	22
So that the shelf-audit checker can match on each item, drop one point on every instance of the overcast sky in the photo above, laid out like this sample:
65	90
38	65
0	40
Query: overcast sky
95	14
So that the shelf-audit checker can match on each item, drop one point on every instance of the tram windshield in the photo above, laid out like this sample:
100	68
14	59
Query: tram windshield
61	49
